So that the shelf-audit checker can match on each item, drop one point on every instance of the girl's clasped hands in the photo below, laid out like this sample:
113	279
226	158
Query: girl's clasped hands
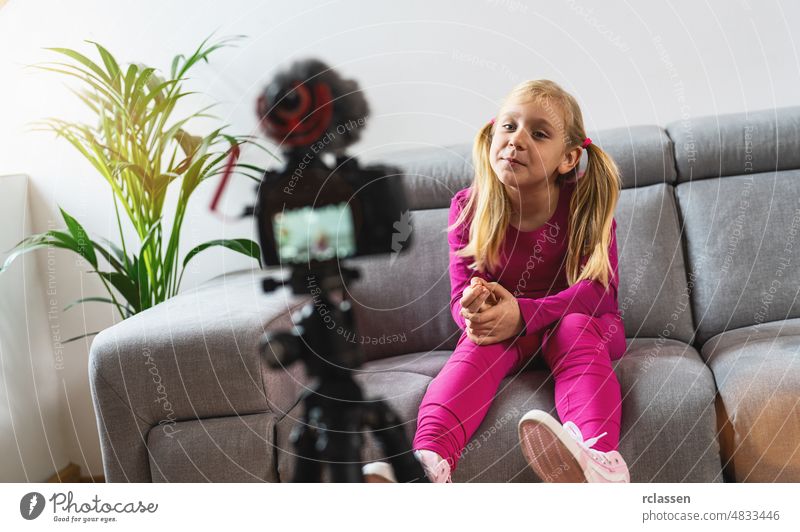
490	311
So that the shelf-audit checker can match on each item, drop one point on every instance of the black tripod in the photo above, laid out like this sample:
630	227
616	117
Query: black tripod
330	432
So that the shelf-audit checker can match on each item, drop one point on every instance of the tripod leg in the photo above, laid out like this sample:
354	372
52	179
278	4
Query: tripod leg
342	447
388	430
304	439
345	465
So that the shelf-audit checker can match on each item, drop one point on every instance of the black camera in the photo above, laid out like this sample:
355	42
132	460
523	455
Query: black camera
315	211
319	213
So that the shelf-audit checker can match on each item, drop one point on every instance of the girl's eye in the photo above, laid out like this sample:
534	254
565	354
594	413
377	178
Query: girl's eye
536	134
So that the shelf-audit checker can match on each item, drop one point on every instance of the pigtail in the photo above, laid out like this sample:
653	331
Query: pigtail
591	217
487	206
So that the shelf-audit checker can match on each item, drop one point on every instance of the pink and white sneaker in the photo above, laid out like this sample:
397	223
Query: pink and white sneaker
436	468
559	453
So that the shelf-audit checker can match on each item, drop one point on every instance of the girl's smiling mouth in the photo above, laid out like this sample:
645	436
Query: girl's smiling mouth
512	161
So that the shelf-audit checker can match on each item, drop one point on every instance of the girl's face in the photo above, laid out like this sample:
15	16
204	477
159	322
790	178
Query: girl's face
528	145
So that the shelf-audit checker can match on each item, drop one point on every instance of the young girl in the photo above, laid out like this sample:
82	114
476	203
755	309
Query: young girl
533	265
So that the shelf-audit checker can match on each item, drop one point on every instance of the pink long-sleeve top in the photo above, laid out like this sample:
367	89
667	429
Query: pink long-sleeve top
533	268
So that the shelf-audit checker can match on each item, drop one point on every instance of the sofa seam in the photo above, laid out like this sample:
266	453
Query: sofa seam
673	155
688	266
682	234
144	434
397	371
121	399
278	415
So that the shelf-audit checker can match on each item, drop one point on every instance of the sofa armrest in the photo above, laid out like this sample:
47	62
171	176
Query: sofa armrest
194	356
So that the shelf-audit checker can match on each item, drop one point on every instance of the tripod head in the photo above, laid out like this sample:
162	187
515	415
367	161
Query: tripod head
323	326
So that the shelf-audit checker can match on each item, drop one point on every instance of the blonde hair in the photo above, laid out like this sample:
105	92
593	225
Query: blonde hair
592	206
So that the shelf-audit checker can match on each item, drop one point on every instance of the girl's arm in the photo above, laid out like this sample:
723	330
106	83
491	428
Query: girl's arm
585	297
460	273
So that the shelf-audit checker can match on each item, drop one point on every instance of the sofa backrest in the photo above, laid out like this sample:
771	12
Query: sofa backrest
401	303
739	201
653	292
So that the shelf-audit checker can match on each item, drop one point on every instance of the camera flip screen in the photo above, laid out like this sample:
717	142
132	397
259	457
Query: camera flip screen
315	233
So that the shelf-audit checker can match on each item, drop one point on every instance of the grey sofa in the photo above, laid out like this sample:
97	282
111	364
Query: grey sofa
709	251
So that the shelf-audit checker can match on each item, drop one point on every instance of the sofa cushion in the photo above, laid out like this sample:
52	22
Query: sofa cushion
669	424
403	390
653	294
195	355
668	433
432	175
226	449
733	144
643	154
742	239
757	370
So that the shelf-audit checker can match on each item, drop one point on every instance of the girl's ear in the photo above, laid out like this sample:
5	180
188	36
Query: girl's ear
570	160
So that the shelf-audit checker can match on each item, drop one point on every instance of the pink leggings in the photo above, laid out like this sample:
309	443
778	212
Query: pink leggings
578	349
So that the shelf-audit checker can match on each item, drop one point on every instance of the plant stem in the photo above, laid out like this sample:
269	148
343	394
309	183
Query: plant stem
121	236
111	293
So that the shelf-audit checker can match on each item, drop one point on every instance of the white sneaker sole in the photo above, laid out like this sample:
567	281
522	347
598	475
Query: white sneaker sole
378	472
549	449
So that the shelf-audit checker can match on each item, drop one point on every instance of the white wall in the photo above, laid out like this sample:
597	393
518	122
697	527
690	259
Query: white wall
32	443
433	72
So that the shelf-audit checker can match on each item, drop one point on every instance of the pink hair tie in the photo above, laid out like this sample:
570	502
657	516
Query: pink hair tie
491	121
586	142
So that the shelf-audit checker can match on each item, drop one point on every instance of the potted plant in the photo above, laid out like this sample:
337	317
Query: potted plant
140	148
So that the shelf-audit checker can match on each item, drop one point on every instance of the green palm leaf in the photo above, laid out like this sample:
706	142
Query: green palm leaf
140	145
244	246
83	244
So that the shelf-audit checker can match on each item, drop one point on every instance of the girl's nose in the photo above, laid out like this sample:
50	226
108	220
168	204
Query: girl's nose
515	140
